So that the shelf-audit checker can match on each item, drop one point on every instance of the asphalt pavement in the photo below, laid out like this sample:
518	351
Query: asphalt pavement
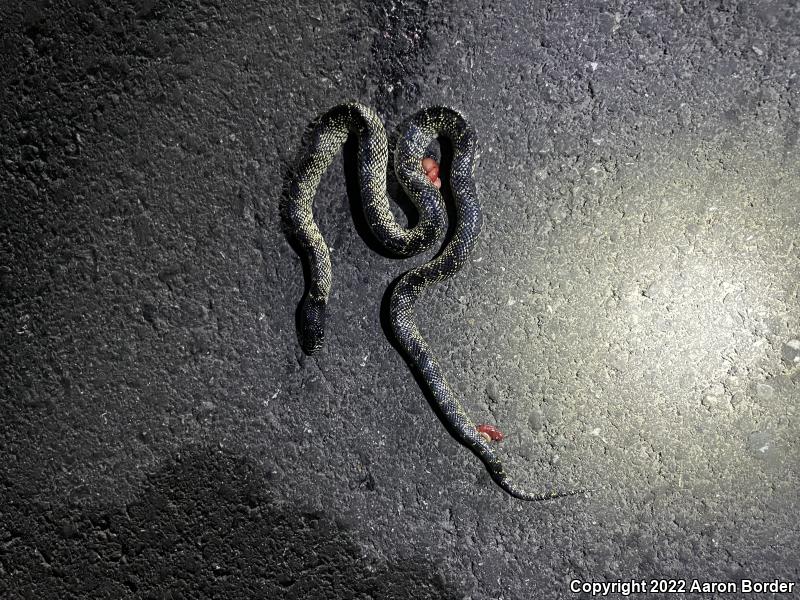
630	318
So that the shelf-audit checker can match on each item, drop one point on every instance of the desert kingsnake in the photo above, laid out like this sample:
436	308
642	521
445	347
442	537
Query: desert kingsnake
328	133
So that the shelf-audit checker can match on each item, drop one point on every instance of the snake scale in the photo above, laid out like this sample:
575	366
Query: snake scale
327	135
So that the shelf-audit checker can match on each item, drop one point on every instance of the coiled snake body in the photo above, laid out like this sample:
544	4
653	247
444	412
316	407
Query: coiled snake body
328	135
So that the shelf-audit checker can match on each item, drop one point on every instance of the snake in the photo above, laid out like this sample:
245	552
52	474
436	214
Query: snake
327	134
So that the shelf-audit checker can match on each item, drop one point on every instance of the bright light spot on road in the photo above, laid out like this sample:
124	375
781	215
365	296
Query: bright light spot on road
664	310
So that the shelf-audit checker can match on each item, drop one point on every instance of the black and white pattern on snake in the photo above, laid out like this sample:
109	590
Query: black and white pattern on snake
328	133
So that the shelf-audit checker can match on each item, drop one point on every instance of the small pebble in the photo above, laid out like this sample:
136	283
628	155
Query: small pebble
764	391
791	352
493	390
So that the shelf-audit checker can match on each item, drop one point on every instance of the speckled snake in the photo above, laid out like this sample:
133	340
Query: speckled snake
327	135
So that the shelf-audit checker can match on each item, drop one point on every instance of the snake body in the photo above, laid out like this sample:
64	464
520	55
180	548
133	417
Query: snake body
328	133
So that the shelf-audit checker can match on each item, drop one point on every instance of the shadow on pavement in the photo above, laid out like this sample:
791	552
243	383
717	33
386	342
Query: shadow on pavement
206	525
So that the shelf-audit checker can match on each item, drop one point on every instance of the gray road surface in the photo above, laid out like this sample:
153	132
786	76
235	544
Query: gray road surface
631	318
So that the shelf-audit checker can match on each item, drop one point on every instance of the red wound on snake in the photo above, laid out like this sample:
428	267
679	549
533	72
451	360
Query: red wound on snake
493	432
431	168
